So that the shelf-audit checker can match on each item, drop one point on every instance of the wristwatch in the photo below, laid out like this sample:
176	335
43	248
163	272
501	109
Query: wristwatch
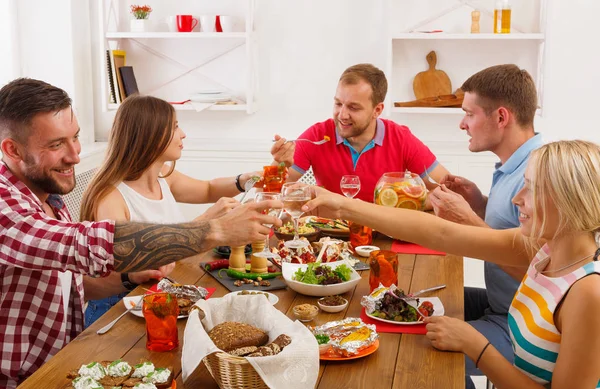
127	284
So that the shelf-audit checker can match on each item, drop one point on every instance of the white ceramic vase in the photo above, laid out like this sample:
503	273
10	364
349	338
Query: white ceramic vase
139	25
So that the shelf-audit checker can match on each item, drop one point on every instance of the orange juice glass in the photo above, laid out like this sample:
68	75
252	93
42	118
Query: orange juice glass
161	311
384	268
360	235
274	178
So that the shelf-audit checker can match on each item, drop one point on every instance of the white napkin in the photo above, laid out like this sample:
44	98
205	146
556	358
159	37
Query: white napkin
295	367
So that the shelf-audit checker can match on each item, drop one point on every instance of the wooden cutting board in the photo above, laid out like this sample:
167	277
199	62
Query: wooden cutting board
431	82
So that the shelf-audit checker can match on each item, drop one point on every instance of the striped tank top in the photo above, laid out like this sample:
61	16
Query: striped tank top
535	338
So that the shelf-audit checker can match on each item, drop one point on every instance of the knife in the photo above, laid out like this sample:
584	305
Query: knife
426	290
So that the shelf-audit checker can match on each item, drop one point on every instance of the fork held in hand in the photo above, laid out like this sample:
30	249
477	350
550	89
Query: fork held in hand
107	327
249	185
314	142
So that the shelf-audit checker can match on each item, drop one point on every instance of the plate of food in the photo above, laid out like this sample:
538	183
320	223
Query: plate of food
187	295
273	299
336	228
346	339
225	251
320	279
119	373
308	231
391	305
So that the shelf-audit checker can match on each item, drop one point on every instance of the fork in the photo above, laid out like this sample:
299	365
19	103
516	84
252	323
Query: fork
107	327
318	142
248	185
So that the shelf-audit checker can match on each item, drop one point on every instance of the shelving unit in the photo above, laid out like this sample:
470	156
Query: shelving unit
459	53
175	65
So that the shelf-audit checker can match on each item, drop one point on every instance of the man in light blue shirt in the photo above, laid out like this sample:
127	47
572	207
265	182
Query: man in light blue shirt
499	104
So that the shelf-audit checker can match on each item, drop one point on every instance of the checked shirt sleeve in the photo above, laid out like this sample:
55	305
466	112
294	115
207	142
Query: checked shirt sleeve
30	239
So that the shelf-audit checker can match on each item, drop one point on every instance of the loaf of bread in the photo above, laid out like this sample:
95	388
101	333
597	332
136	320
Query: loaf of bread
233	335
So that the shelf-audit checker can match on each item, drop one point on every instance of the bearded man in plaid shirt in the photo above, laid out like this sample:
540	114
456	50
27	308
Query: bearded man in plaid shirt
43	253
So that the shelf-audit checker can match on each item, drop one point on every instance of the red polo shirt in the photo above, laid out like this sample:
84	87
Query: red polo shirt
393	149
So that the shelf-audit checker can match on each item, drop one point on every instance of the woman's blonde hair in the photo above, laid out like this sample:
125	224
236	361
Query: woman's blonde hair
566	173
141	132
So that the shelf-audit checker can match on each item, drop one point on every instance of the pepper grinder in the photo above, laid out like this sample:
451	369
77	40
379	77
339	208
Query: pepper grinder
258	264
475	22
237	258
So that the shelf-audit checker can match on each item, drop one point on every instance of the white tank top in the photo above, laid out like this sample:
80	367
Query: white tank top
142	209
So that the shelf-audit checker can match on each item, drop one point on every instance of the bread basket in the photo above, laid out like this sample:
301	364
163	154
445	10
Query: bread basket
232	372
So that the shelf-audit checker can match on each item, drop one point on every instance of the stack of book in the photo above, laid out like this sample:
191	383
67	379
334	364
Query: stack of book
121	79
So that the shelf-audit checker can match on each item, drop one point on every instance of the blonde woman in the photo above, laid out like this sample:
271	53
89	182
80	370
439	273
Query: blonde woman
136	182
554	317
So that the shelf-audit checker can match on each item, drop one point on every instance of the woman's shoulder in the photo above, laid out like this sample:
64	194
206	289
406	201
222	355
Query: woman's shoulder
113	206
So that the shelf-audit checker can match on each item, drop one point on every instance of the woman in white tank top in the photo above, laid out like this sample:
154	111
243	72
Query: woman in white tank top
136	183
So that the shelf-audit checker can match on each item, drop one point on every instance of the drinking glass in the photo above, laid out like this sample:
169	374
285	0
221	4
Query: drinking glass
274	178
384	268
160	311
295	195
350	185
261	196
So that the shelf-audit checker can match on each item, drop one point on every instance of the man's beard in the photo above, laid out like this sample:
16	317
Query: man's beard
43	181
355	131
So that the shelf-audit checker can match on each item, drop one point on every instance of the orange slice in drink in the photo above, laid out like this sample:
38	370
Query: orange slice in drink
388	197
413	191
409	204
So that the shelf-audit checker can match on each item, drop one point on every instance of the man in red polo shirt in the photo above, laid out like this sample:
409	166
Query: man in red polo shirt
360	143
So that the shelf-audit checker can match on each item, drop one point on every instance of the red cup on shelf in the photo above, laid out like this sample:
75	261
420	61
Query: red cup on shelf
186	23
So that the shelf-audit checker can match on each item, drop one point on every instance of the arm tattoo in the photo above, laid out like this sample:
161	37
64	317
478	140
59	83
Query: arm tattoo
142	246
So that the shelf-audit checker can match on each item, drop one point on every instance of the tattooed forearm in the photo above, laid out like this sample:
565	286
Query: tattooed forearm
141	246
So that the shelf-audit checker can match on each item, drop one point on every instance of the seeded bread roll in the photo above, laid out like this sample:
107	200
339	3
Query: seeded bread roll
282	340
232	335
243	351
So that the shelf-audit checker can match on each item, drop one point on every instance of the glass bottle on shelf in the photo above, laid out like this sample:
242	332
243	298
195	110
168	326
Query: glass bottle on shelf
502	16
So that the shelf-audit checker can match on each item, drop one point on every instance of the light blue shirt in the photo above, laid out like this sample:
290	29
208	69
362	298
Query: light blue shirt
501	214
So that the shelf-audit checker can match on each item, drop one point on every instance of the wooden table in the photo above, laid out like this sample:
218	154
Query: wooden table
402	361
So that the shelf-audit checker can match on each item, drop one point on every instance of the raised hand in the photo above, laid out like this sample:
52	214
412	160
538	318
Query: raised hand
325	203
218	209
452	206
468	190
246	223
283	151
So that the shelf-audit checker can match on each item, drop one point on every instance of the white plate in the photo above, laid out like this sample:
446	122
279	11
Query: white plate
438	310
131	301
365	251
289	269
273	299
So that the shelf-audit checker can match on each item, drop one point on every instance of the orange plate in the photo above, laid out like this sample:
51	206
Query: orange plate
368	351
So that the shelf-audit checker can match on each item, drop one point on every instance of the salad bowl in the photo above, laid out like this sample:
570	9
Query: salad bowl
290	269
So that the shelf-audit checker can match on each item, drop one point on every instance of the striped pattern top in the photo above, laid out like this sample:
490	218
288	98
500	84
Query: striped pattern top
535	338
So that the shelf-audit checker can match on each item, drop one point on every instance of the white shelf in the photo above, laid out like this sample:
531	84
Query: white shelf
176	35
428	110
439	111
189	107
449	36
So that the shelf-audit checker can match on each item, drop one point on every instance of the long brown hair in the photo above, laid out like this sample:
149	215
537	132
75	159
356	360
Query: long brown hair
141	132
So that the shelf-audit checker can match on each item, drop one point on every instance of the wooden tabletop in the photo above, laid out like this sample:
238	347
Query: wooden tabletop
402	361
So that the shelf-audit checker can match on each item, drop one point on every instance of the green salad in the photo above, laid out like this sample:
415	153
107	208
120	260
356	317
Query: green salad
319	274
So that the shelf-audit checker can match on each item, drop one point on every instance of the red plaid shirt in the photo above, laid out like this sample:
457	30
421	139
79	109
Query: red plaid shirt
34	248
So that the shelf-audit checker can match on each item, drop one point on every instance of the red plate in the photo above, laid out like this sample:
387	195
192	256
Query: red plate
368	351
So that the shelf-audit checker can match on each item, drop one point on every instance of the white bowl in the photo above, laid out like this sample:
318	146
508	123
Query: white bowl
365	251
332	308
289	269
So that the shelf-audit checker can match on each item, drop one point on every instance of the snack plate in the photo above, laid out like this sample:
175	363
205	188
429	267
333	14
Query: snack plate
438	310
333	232
334	357
273	299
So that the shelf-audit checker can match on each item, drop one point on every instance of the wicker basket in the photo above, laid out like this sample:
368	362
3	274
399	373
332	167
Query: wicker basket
233	372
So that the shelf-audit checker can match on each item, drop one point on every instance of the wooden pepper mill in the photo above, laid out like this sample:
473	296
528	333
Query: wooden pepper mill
258	264
237	258
475	22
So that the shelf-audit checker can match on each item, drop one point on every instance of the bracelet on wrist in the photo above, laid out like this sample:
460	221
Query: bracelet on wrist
237	183
481	354
127	284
